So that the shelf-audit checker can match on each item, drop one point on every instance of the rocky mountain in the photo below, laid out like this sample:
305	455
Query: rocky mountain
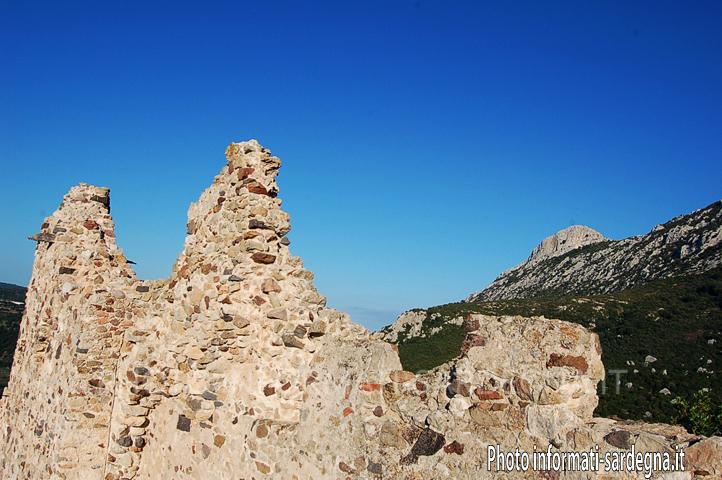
234	368
579	260
563	241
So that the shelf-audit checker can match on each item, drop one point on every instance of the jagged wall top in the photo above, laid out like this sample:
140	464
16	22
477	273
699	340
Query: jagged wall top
225	208
83	223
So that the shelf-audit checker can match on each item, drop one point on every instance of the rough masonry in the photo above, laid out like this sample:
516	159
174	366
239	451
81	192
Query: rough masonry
234	368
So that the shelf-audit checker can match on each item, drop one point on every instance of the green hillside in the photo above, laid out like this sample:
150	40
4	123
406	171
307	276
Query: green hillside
12	298
11	292
678	321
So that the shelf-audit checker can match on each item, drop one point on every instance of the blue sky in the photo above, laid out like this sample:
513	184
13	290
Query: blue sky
427	145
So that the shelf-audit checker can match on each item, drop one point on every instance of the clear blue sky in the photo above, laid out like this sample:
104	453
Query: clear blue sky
427	145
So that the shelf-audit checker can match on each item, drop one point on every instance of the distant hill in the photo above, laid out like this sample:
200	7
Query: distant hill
12	304
581	261
655	300
666	334
11	292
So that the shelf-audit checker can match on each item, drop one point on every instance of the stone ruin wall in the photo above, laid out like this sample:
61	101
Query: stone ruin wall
234	367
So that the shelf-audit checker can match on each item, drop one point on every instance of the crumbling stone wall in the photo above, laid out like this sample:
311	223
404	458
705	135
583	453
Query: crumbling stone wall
234	368
57	408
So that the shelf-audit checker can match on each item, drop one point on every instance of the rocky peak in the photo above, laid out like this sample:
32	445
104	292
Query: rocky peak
564	241
242	198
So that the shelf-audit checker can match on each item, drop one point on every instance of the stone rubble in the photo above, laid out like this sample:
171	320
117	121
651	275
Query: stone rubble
234	367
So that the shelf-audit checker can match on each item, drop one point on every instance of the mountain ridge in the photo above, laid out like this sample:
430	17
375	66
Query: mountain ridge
686	244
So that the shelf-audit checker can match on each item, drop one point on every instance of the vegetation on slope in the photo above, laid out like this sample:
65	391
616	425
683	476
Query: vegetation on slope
12	298
420	354
677	321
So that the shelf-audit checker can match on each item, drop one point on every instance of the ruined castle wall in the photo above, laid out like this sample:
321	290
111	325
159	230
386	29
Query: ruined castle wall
234	367
58	404
243	349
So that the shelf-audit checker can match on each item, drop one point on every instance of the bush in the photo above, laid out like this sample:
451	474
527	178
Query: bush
698	414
